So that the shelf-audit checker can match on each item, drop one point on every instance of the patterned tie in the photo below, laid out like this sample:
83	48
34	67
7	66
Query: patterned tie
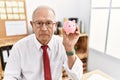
46	62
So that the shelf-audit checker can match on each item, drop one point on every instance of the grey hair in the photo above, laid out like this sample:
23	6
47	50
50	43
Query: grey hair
39	7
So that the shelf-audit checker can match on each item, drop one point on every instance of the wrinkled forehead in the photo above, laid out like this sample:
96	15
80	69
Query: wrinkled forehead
44	14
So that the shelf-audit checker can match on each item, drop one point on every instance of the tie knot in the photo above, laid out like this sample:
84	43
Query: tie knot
44	47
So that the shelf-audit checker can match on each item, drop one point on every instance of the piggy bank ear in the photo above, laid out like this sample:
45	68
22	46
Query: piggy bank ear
73	21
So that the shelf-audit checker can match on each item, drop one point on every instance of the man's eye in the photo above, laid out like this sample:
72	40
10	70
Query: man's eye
48	23
39	23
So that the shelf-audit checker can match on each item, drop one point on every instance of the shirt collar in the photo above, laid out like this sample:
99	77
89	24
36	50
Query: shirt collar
38	44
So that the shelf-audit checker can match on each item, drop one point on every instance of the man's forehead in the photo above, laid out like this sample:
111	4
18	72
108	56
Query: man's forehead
44	13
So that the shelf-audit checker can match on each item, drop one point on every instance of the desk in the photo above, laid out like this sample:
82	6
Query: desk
6	44
89	74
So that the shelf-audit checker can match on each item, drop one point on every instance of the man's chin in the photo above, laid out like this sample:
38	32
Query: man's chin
44	41
44	37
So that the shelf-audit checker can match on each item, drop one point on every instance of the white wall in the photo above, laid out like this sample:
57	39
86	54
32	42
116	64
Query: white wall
63	8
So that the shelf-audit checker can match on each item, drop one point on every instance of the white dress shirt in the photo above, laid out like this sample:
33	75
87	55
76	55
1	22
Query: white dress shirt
26	62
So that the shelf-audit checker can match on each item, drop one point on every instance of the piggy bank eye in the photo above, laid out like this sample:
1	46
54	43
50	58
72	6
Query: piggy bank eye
69	26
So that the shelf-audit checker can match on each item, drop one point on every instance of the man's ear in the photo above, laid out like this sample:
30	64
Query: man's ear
31	23
32	26
55	26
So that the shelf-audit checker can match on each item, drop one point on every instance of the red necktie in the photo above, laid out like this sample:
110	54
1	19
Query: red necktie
46	62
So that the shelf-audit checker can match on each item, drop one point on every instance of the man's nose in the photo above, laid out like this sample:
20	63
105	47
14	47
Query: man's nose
44	27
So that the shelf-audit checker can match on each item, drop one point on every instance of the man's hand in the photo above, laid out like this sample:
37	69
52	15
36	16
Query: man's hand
70	40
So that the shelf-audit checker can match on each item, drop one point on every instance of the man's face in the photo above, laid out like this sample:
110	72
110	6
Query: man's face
43	25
